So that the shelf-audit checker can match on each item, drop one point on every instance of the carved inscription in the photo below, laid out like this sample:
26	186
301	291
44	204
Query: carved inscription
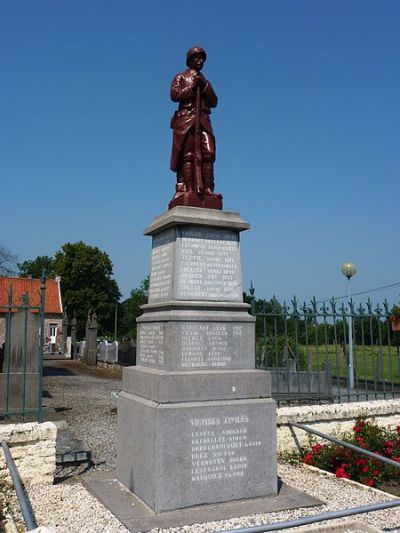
210	265
220	447
161	266
207	345
151	340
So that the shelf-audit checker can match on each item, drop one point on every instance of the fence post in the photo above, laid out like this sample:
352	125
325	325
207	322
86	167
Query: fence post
41	343
253	312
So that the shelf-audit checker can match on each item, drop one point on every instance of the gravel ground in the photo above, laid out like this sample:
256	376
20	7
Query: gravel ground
82	397
85	403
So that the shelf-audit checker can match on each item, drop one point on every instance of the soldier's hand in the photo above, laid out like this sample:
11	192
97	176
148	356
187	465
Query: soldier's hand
199	81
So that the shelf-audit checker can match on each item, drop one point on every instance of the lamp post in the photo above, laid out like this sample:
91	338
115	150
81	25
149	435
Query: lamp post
348	270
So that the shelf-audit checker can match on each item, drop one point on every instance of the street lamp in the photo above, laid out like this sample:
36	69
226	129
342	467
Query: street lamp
348	270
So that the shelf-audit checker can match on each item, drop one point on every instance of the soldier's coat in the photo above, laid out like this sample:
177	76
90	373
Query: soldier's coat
183	91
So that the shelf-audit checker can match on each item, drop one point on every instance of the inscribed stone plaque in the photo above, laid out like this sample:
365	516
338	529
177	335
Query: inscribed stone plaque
162	266
196	345
151	344
208	264
213	345
220	447
224	449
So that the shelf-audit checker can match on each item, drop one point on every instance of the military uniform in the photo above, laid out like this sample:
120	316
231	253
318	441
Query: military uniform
183	90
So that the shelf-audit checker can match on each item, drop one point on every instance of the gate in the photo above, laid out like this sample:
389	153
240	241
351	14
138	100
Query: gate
21	361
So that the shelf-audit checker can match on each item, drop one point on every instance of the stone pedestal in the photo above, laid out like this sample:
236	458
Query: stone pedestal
196	423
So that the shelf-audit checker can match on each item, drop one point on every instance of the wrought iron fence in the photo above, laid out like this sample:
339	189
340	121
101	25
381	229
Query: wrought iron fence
21	361
326	351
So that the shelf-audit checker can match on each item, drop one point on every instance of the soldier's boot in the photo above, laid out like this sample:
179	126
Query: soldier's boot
208	176
180	186
188	174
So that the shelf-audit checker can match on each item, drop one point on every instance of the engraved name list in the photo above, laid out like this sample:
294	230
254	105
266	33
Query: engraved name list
220	447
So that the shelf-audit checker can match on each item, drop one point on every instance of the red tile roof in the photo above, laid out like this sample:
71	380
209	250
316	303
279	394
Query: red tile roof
31	286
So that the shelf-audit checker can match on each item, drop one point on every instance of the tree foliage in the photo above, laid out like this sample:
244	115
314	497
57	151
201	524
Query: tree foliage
8	261
87	284
131	309
35	267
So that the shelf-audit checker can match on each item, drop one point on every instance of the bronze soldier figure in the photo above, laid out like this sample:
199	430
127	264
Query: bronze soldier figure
193	149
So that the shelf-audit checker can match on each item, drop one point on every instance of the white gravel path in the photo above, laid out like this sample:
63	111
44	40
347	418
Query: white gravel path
69	507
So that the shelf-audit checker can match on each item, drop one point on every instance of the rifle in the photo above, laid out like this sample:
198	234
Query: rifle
198	179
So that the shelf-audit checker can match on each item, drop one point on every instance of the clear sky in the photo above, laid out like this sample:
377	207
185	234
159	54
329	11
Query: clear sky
307	128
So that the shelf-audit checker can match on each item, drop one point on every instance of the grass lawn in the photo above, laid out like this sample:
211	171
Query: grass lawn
370	362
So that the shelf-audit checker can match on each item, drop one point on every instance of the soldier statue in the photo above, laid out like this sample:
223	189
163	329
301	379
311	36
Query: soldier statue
193	148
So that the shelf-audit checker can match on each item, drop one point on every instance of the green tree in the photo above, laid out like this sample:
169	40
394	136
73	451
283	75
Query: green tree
35	267
87	284
131	309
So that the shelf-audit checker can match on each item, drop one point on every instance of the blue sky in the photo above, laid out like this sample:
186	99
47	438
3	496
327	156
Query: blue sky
307	128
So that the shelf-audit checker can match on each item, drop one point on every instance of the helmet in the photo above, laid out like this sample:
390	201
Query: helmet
195	50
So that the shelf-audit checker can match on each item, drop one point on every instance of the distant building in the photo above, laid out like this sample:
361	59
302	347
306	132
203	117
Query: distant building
53	305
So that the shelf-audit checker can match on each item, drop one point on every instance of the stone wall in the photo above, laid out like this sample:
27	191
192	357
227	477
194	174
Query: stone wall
333	419
33	448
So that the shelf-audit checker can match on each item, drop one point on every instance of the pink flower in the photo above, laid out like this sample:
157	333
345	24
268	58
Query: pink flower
370	482
365	469
376	472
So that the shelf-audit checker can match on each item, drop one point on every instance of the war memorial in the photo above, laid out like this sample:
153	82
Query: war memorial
196	422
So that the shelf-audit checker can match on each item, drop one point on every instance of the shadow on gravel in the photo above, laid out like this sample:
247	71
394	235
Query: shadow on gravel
69	474
57	371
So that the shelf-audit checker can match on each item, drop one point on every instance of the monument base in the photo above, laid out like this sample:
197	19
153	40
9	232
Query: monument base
137	516
198	452
193	199
196	421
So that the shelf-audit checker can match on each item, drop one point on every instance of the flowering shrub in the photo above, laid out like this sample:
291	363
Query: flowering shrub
351	465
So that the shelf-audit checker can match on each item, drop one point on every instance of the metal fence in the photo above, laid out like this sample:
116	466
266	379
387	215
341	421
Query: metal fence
326	351
21	361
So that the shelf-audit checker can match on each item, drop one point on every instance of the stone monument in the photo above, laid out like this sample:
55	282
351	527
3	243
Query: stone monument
91	340
74	325
65	325
196	421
